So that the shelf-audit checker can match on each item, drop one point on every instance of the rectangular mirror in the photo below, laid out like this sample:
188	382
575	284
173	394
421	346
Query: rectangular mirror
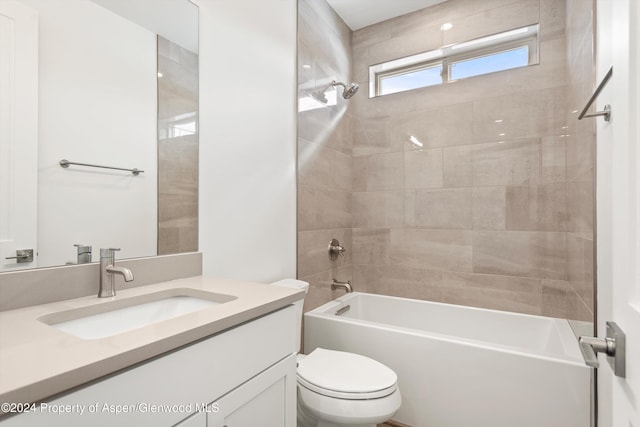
106	83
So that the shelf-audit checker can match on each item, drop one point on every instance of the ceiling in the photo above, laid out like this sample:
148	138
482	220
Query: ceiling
362	13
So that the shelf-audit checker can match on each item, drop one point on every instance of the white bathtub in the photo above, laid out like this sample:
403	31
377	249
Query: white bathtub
461	366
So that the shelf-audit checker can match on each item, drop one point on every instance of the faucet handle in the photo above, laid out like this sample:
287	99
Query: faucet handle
108	252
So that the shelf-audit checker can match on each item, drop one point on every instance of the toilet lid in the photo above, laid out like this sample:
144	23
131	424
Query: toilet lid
345	375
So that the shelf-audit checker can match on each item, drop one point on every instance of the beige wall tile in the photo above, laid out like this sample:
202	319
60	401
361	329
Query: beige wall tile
489	208
323	167
560	300
495	292
524	114
553	18
415	37
458	166
378	172
580	197
552	160
541	207
432	249
520	253
580	153
333	209
410	208
447	209
508	17
378	209
580	256
509	163
371	246
442	127
398	281
306	208
423	168
371	136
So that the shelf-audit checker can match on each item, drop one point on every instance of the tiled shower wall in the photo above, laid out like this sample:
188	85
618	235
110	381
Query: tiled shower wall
324	151
177	149
491	212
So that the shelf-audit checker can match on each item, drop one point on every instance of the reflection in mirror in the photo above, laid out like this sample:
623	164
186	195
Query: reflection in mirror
177	148
98	96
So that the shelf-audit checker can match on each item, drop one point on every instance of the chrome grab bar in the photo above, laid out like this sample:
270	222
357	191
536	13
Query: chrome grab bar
342	310
66	163
607	108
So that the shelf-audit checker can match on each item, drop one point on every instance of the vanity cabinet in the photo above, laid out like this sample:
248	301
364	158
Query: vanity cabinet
199	419
263	401
243	376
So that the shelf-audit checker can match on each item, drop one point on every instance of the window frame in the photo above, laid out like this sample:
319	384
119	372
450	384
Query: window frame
447	56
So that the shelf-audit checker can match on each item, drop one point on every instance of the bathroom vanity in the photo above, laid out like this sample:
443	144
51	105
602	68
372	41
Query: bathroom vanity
231	362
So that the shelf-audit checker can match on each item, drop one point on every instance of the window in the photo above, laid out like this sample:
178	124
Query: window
410	79
490	63
498	52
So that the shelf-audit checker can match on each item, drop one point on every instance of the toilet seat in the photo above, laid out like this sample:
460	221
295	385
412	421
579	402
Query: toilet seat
343	375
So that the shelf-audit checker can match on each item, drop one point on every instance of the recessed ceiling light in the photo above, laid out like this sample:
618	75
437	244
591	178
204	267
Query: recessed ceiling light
446	26
501	134
498	121
160	74
306	66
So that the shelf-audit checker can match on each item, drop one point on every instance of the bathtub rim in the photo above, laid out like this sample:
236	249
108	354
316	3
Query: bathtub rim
572	356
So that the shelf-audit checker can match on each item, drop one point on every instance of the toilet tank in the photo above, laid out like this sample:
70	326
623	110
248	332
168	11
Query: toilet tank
298	305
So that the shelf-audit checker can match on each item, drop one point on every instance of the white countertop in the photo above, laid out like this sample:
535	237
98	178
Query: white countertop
38	361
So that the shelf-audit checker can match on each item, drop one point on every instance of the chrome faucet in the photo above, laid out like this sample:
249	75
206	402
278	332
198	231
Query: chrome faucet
107	271
342	285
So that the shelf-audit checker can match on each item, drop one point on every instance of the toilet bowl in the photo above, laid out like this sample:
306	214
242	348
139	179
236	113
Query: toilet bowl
340	389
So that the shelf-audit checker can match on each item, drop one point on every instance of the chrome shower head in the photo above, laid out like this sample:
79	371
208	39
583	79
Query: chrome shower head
348	92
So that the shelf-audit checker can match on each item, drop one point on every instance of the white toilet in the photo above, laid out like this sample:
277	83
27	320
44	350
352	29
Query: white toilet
340	389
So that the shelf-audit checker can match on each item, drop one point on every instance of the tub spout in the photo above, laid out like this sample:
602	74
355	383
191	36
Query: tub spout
342	285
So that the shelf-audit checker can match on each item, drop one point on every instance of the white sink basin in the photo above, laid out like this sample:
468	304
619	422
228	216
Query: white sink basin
116	317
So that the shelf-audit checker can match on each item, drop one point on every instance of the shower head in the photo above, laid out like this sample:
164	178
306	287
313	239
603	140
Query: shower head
348	92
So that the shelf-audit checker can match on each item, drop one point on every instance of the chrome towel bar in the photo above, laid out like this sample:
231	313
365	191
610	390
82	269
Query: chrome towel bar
66	163
607	108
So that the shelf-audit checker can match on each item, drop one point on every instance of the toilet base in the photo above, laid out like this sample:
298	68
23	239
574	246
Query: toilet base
306	419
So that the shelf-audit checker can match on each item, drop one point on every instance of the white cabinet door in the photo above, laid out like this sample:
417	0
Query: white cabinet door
196	420
18	131
268	400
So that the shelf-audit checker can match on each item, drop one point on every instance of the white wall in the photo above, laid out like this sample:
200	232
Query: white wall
97	104
247	138
618	205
